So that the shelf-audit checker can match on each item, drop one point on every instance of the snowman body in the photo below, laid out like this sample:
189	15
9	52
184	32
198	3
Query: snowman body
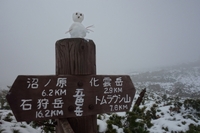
77	30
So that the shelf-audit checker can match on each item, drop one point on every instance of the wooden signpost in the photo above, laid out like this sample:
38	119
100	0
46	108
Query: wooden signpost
52	97
75	94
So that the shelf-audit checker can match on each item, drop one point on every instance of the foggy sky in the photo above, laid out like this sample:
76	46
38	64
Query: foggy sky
129	35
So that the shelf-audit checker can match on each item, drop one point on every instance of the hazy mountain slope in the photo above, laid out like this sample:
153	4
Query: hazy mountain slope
183	80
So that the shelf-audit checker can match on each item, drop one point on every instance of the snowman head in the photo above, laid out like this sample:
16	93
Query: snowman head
78	17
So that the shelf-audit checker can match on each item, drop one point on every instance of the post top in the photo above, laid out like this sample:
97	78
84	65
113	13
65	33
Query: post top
74	39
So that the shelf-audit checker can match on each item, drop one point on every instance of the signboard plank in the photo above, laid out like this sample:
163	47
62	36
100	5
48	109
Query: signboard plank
35	97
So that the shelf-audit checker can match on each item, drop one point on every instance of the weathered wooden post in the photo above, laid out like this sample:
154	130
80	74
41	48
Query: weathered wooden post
76	56
140	98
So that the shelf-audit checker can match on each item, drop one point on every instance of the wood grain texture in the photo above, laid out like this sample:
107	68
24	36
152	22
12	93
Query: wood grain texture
77	56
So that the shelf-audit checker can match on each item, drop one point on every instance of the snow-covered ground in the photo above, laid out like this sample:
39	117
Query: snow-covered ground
169	118
8	124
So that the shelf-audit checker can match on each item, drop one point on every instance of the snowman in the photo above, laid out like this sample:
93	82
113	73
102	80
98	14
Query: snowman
77	30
